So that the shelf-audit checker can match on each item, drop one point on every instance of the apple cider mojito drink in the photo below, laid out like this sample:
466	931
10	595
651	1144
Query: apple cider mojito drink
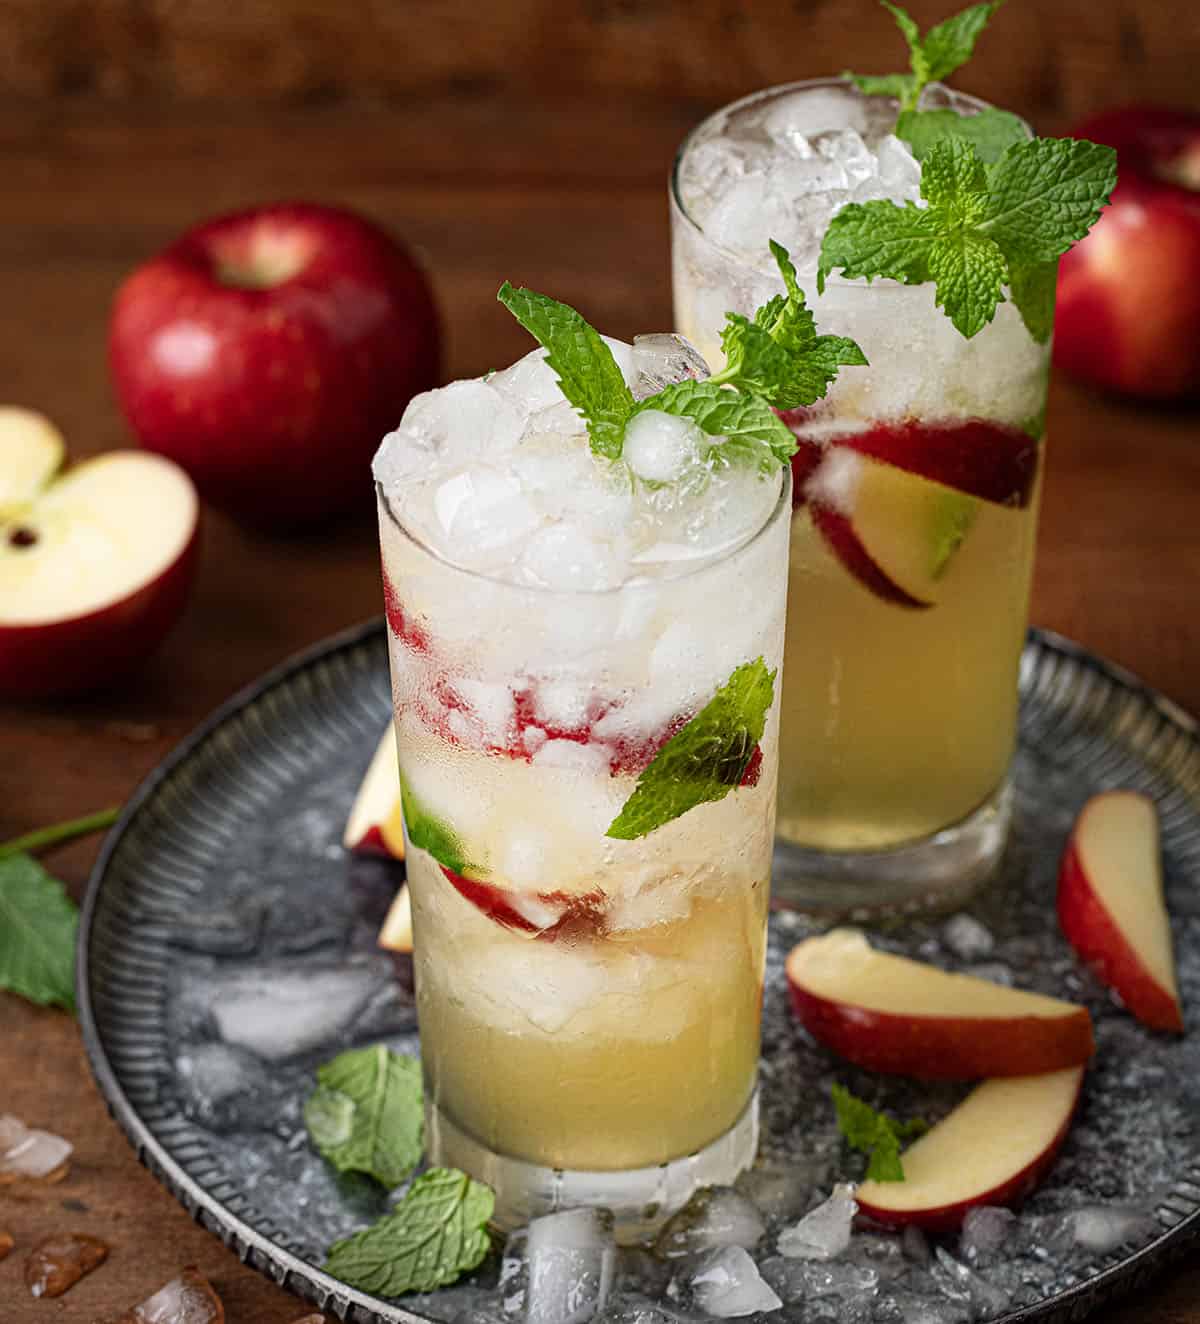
930	225
585	565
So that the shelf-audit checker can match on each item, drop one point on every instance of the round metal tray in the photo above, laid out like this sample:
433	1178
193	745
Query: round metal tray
223	893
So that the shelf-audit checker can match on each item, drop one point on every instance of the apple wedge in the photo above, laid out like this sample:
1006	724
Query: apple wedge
992	1149
1111	908
895	533
396	935
376	822
31	453
95	568
888	1013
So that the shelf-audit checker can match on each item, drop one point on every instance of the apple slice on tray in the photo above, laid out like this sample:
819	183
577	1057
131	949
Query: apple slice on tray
95	564
903	1017
992	1149
396	935
376	822
1111	907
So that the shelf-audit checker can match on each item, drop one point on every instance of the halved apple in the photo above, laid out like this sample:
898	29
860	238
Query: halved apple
396	935
892	1014
376	822
95	566
992	1149
896	533
1111	908
31	453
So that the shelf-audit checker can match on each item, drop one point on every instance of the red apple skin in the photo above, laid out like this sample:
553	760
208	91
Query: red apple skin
943	1047
1128	310
274	399
582	917
1089	928
91	652
948	1218
848	547
372	843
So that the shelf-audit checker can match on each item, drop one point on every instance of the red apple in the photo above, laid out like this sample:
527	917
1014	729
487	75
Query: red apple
992	1149
376	822
1128	313
95	565
1111	909
888	1013
268	352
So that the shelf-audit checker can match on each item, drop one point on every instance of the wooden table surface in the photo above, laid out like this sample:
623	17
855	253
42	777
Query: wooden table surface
569	201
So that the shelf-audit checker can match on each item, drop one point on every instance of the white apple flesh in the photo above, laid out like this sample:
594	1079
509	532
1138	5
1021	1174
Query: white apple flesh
993	1149
31	453
396	935
892	1014
1111	906
95	569
376	822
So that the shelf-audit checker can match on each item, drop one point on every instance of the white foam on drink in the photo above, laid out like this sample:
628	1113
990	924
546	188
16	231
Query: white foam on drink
498	476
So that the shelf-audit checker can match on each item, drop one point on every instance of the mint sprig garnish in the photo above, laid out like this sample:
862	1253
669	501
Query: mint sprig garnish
773	360
429	833
366	1113
874	1133
944	48
435	1234
991	132
587	372
38	925
986	226
704	760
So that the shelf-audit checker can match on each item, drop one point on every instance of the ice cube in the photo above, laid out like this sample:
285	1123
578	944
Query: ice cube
571	1259
967	938
188	1299
835	482
565	556
781	1192
1102	1228
225	1088
846	148
965	1286
664	359
793	180
531	383
749	215
562	704
802	1280
521	858
482	512
715	1216
590	760
491	703
898	170
660	446
915	1245
727	1284
710	166
27	1153
824	1232
278	1012
985	1229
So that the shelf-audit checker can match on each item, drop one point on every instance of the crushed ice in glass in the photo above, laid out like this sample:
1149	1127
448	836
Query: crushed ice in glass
824	1232
727	1284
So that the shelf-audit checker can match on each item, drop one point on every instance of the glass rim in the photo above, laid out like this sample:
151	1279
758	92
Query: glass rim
763	94
781	510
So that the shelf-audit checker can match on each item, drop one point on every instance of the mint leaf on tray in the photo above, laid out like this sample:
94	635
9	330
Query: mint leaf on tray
873	1133
437	1232
38	925
366	1113
706	759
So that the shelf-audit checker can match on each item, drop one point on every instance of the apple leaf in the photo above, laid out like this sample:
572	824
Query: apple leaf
38	925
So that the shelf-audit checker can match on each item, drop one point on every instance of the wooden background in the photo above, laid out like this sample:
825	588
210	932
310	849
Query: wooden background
527	140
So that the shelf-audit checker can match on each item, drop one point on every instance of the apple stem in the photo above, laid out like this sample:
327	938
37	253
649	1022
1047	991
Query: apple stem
58	833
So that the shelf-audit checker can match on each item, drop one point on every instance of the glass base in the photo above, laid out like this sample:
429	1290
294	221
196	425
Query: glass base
937	873
641	1199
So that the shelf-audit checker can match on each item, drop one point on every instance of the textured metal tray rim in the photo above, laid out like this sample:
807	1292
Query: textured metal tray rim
1120	1275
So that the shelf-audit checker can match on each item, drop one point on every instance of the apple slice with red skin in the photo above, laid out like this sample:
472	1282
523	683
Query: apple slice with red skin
95	569
1111	908
892	1014
546	915
376	822
396	935
993	1149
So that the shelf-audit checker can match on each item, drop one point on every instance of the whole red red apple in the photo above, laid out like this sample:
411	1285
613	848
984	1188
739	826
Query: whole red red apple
268	351
1128	314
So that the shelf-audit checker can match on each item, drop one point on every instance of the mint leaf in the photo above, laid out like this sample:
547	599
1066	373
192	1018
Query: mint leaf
753	430
705	760
432	834
943	49
1033	287
437	1232
38	926
990	132
873	1133
985	227
366	1114
587	372
1045	195
779	356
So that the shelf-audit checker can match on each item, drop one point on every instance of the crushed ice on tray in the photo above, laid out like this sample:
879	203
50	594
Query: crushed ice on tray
727	1284
985	1230
802	1280
29	1153
1103	1228
967	938
824	1232
713	1217
224	1087
965	1286
571	1259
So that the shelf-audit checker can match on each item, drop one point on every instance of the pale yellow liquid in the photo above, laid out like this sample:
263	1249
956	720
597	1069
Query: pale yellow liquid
655	1063
899	722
